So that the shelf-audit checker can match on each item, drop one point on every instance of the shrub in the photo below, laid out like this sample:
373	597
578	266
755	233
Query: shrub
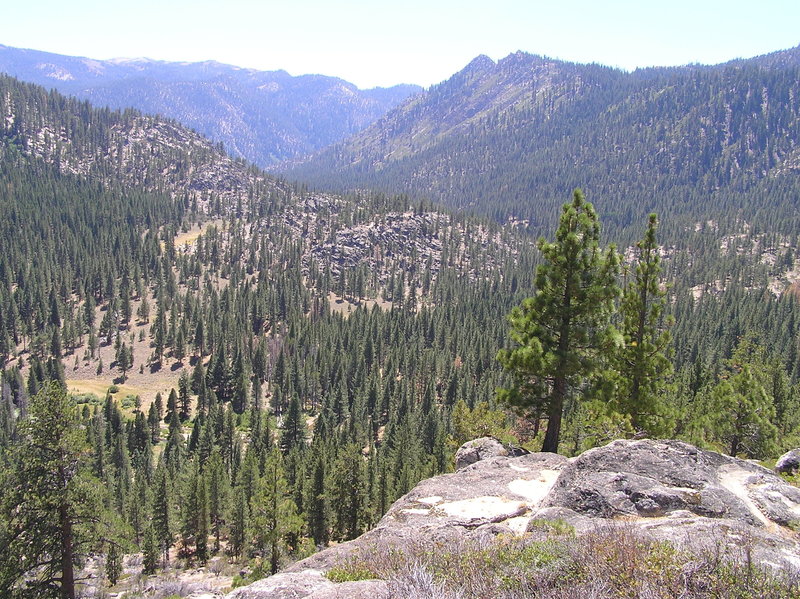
128	402
349	573
556	526
87	398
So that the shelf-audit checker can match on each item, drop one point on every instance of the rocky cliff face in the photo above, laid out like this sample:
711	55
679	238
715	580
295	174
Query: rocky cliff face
666	490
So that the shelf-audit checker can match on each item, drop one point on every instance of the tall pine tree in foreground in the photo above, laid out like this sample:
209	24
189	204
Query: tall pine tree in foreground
560	333
53	509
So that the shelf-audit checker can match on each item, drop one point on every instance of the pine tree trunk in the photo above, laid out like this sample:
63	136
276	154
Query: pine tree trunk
553	432
556	408
273	557
67	554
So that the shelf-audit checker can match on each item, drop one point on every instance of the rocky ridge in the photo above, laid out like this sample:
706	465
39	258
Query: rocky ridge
154	154
668	490
134	151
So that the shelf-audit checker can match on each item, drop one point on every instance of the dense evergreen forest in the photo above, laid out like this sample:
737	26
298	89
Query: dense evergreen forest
271	367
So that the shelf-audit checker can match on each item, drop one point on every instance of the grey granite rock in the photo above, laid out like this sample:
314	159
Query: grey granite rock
669	490
788	462
477	450
308	584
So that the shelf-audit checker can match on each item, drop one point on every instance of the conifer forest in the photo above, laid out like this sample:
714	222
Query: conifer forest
204	361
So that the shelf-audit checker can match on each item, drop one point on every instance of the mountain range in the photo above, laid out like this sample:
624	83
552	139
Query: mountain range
236	341
512	138
262	116
508	139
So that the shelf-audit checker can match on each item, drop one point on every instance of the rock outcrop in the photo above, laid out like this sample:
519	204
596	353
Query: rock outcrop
668	489
311	584
481	449
788	462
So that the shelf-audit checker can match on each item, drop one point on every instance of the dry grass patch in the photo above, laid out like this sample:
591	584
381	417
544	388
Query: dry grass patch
190	237
555	564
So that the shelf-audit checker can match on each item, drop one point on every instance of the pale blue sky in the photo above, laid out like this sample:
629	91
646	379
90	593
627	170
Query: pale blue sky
414	41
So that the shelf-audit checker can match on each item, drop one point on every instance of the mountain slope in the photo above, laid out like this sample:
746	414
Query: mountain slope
513	138
339	341
263	116
146	179
125	149
142	264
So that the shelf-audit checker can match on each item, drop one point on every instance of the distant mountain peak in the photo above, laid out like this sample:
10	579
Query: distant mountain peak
123	60
480	63
512	138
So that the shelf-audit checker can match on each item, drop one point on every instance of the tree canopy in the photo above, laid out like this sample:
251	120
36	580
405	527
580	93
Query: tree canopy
54	510
562	331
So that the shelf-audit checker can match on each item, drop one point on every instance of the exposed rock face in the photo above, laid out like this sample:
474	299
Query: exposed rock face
483	448
788	462
652	479
669	489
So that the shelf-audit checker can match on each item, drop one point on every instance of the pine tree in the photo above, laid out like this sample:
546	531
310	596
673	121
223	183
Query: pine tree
202	520
162	519
294	427
174	448
149	552
239	517
642	363
172	405
218	493
561	332
113	563
137	502
143	312
348	495
53	508
159	332
153	423
317	505
179	352
184	399
159	403
738	413
124	359
273	513
198	381
189	508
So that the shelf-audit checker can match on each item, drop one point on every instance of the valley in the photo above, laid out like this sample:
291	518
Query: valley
241	369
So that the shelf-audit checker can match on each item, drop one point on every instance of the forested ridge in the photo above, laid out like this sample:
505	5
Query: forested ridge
512	139
261	323
271	367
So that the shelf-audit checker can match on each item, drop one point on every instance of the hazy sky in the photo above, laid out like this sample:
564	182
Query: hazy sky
371	42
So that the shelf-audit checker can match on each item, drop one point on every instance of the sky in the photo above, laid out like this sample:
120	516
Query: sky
377	43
